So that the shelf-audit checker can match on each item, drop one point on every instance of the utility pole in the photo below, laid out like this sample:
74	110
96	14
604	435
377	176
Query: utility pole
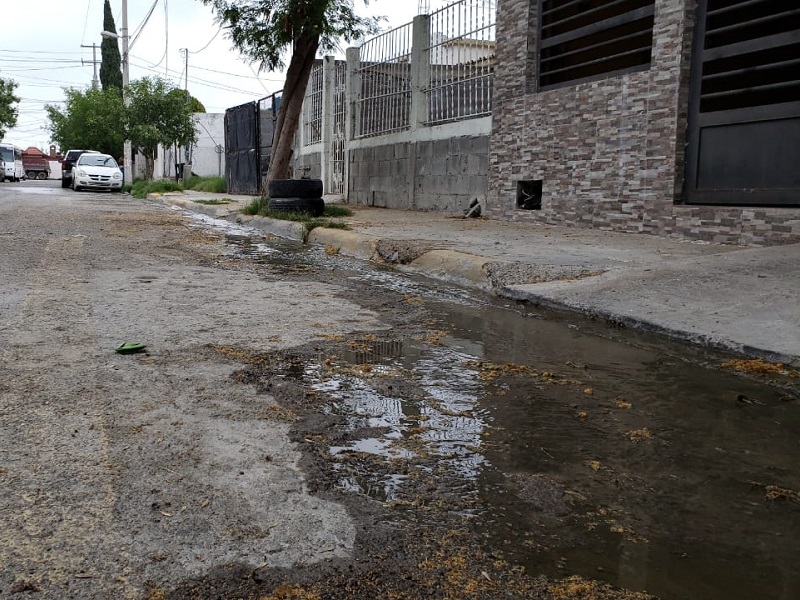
185	52
126	153
95	62
123	34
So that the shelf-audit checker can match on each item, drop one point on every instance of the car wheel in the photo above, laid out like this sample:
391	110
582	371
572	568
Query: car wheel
64	182
314	206
41	175
295	188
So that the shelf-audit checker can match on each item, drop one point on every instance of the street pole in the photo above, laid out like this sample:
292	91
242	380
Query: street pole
126	156
94	62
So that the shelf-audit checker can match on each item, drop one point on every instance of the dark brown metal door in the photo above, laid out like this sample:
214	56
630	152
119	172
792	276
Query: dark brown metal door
744	111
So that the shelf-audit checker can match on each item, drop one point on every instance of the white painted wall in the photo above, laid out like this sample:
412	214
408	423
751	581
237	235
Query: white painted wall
208	154
208	157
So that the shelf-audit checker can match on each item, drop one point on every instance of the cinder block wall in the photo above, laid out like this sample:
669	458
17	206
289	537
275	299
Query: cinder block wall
308	164
444	175
609	153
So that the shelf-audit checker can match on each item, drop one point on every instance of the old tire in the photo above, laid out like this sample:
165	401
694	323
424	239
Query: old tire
313	206
41	175
295	188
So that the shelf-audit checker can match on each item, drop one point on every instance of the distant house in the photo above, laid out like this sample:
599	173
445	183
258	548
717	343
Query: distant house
671	117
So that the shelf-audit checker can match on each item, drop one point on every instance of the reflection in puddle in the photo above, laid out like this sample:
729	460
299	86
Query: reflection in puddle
442	421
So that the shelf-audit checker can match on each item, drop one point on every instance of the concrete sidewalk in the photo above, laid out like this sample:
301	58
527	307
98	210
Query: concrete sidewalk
742	299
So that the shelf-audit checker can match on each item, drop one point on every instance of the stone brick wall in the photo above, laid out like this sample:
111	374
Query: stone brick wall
610	152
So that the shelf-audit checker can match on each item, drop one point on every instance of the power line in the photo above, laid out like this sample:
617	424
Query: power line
208	44
39	51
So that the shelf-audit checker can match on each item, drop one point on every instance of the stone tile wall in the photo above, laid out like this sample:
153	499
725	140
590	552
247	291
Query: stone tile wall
609	152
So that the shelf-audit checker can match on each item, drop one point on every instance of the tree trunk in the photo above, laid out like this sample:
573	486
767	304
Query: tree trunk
288	117
149	165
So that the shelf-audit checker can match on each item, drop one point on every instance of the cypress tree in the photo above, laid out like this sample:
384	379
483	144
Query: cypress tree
110	72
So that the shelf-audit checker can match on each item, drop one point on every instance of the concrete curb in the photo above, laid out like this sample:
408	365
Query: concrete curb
346	242
455	267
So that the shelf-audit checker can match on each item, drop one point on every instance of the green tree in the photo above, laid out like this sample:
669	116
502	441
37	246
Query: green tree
8	112
194	104
110	72
92	119
156	115
264	30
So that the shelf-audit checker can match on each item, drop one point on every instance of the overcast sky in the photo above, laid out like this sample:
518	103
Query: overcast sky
42	51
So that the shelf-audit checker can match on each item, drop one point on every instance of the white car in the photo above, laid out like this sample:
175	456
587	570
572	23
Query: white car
96	171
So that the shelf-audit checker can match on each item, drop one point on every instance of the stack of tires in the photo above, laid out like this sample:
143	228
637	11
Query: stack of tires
296	195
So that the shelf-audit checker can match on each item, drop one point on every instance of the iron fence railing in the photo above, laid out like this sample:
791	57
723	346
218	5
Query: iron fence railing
462	61
384	104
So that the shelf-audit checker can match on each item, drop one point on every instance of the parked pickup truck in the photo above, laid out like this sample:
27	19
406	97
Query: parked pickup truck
35	167
66	166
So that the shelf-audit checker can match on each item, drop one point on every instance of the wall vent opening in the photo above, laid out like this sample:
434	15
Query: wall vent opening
529	194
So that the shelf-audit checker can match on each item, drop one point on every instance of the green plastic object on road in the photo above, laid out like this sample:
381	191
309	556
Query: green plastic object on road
130	347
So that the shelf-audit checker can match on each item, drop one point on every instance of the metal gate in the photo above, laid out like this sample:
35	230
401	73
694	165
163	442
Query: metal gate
744	107
242	149
337	173
249	129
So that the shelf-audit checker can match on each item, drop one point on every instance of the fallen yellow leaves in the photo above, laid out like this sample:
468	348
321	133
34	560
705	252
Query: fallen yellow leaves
577	588
776	493
754	366
639	434
291	592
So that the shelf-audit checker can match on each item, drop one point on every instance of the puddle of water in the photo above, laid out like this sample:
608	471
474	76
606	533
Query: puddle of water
633	462
593	451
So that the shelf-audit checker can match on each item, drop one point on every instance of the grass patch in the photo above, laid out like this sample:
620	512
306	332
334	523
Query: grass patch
255	207
214	185
142	187
337	210
260	206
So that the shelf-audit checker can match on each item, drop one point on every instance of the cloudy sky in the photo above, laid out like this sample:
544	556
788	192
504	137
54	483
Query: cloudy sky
45	51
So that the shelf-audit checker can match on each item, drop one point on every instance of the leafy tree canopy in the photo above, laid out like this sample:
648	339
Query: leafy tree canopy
157	113
8	110
264	30
92	119
110	72
194	104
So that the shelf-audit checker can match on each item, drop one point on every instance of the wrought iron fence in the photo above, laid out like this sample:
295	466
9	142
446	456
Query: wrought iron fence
384	104
336	181
462	61
312	107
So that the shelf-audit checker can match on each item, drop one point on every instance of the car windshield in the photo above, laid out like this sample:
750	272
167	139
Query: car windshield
97	160
6	155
